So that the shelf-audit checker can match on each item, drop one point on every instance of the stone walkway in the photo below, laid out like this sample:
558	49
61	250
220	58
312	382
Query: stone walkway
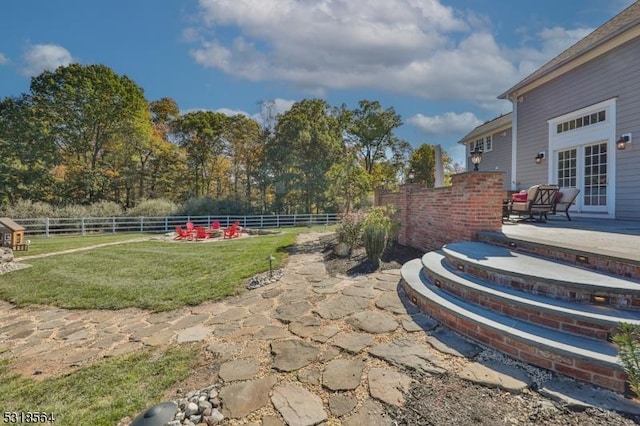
306	350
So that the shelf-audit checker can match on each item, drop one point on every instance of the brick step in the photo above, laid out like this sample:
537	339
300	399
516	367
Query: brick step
598	322
581	358
602	260
537	275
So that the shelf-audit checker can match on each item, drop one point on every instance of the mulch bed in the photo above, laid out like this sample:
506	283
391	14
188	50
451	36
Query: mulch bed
393	258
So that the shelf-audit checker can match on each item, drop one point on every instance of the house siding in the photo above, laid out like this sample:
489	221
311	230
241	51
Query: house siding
499	158
611	75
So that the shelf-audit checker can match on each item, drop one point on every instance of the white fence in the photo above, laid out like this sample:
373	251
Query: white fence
84	225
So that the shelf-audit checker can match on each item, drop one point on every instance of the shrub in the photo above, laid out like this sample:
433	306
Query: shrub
71	210
154	208
349	230
204	206
384	218
24	209
629	353
375	241
104	209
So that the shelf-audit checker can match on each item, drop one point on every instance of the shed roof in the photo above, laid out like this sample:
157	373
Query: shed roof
10	224
625	20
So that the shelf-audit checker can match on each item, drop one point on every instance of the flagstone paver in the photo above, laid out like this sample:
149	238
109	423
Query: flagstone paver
241	399
290	355
241	369
493	374
337	307
298	406
388	385
303	324
342	374
340	404
373	322
353	342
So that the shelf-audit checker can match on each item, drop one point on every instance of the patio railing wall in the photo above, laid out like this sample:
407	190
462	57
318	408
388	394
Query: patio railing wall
84	225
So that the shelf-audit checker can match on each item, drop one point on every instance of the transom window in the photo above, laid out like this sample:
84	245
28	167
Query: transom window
584	121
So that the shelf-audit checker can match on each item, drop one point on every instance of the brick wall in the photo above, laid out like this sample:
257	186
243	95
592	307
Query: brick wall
432	217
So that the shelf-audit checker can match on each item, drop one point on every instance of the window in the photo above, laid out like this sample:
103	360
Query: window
587	120
488	144
483	144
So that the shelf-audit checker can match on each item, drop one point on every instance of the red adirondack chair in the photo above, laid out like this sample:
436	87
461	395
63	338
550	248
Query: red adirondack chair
201	233
190	227
182	234
215	225
233	231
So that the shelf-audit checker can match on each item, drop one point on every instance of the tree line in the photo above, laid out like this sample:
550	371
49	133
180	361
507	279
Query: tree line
84	134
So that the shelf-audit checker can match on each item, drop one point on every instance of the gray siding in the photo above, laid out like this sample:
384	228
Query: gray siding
499	158
611	75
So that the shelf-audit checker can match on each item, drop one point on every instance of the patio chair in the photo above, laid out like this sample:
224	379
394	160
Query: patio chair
215	225
190	227
538	200
201	233
182	234
565	199
232	231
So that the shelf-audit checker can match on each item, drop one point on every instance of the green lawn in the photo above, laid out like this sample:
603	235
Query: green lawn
101	394
40	245
155	275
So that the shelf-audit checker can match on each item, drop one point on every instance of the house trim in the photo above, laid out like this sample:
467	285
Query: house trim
603	131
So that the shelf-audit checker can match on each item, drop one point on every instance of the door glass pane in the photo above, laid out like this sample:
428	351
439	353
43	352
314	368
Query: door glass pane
595	175
567	168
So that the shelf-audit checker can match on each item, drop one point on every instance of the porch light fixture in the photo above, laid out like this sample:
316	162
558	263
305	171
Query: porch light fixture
539	157
476	158
411	175
623	141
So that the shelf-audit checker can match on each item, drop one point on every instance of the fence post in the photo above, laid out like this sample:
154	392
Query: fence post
46	227
277	221
82	226
141	223
113	225
166	224
261	221
295	222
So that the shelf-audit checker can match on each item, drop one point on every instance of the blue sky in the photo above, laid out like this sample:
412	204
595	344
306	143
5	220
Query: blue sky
440	63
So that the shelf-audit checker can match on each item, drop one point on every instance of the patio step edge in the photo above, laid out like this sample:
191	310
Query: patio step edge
581	358
592	319
601	260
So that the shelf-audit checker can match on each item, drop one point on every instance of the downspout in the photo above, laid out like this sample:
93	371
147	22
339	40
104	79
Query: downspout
514	142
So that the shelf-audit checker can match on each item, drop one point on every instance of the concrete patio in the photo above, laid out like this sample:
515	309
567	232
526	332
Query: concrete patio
615	238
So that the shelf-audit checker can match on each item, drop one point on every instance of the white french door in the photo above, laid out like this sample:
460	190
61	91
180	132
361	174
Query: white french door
585	167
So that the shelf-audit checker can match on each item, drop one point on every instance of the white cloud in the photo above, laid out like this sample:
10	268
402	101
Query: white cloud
3	59
41	57
446	124
415	47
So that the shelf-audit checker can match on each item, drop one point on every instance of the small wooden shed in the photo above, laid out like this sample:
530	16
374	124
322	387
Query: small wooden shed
12	234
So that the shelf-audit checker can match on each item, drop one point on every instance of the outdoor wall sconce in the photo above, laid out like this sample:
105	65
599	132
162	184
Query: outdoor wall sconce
623	141
411	175
539	157
476	158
